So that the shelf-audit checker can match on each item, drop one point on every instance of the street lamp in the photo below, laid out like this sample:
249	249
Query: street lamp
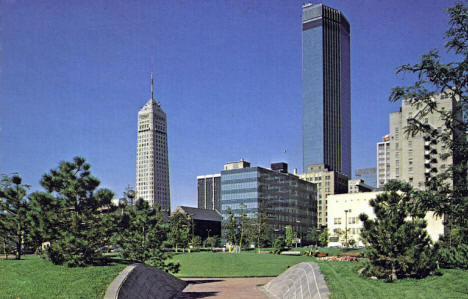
346	225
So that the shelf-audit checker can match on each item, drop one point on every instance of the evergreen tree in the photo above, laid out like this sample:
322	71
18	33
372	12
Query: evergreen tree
230	227
447	192
13	210
312	236
140	236
72	215
323	237
243	225
290	236
179	230
397	242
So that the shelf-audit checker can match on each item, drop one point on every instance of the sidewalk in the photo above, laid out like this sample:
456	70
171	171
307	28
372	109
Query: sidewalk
224	288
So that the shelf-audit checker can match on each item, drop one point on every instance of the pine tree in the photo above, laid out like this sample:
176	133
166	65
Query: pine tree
140	236
72	214
397	243
13	210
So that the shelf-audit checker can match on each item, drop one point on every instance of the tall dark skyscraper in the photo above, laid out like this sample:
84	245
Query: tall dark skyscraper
326	88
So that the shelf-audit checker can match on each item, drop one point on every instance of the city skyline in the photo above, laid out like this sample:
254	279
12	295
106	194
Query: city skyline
229	76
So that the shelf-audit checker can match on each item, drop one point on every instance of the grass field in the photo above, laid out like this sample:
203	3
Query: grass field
33	277
245	264
344	282
342	277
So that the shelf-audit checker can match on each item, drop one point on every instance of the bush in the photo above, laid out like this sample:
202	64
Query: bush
279	245
453	257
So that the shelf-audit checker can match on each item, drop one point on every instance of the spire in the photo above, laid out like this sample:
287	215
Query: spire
152	86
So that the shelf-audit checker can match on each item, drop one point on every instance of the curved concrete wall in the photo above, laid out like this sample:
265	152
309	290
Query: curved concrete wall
301	281
143	281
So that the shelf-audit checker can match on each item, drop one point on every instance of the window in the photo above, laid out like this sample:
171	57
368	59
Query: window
337	220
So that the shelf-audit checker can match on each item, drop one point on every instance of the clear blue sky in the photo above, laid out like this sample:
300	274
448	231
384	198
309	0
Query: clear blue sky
228	74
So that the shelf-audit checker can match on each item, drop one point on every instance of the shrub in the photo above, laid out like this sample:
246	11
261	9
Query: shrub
453	257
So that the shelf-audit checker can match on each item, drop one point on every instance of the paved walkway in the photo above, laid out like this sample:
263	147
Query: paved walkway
224	288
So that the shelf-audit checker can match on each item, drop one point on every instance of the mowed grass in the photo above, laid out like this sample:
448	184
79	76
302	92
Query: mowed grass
244	264
344	282
33	277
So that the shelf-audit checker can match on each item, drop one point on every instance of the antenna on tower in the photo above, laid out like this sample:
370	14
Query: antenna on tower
152	86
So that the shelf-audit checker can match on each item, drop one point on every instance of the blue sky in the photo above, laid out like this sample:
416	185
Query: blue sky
228	74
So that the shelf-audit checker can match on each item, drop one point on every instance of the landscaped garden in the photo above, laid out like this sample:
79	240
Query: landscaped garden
33	277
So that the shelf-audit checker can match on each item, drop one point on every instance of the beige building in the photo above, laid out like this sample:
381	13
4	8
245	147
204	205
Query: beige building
328	182
415	158
152	177
344	211
236	165
383	161
358	185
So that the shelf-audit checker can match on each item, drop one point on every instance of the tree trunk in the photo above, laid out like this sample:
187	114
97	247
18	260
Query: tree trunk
394	276
5	249
18	242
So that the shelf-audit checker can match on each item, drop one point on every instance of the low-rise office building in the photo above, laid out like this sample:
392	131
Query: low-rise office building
328	182
282	198
205	222
344	211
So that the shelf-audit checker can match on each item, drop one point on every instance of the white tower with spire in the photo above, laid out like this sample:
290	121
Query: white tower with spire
152	177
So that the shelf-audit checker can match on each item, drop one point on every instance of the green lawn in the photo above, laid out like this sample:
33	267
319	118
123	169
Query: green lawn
344	282
342	277
33	277
245	264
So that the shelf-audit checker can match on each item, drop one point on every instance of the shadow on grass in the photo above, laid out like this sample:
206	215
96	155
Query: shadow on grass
200	281
105	261
193	295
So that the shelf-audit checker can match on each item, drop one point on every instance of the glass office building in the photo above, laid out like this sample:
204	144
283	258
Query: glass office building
326	94
282	198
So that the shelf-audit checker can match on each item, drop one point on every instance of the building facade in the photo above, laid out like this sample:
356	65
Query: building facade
383	161
282	198
326	88
358	185
152	177
368	175
344	211
415	159
209	192
328	182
